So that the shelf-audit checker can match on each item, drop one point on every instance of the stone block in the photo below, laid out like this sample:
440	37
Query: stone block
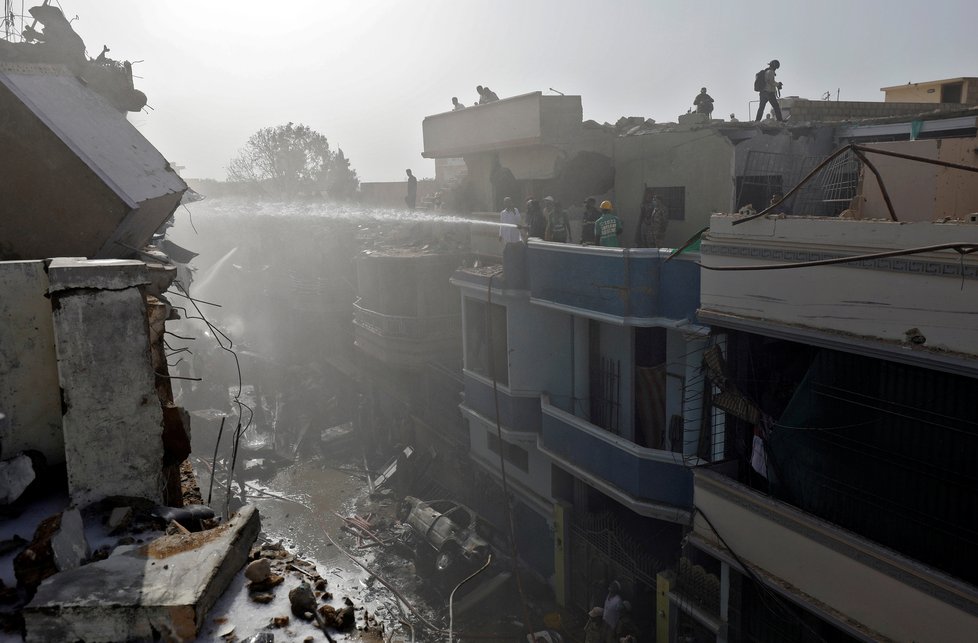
58	544
112	420
29	393
16	474
67	273
69	544
119	519
166	586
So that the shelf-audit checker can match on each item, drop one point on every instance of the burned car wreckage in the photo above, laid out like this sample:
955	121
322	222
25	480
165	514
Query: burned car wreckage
448	537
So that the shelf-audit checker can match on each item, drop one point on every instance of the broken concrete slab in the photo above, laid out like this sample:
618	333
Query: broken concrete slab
16	474
40	560
164	587
69	545
28	365
119	519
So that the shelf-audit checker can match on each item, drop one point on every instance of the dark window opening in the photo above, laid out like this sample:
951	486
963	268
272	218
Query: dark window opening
756	191
478	340
513	454
650	387
951	92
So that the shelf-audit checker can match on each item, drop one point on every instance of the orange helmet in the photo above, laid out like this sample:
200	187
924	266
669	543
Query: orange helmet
606	205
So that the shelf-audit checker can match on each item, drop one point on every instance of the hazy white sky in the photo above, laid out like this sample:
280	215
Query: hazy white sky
365	73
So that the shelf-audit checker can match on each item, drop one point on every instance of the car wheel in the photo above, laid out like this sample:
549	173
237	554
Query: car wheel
447	557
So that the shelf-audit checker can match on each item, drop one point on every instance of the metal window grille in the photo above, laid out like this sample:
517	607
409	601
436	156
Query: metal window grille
826	194
606	395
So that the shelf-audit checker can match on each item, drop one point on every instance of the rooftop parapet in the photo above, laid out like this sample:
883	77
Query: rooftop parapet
884	287
526	120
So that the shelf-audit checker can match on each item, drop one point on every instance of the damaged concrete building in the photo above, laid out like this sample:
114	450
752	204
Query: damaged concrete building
90	435
651	414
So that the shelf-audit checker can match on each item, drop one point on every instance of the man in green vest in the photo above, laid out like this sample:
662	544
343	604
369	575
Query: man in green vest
608	228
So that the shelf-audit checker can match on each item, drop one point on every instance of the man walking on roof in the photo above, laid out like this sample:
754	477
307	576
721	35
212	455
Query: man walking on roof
768	91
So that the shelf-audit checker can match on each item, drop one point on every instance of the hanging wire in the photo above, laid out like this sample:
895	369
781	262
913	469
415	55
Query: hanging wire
491	359
761	585
240	428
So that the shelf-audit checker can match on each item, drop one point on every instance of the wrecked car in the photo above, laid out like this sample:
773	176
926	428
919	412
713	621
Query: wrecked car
446	534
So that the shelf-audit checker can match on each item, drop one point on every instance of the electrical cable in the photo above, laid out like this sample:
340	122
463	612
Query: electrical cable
238	431
491	359
757	580
961	247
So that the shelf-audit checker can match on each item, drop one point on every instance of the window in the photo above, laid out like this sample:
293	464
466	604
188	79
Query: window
515	455
757	190
951	92
674	199
478	340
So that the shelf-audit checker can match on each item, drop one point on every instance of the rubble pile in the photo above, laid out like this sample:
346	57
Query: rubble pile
287	593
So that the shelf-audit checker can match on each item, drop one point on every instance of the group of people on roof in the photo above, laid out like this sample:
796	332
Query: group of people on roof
547	220
486	95
766	85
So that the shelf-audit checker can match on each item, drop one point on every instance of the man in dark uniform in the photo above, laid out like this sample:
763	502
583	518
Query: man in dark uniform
591	214
412	195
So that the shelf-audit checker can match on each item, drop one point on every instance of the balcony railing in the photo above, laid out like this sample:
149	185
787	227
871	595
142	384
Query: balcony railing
651	482
635	286
404	327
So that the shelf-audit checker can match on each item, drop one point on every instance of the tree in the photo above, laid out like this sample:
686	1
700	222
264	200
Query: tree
342	181
289	160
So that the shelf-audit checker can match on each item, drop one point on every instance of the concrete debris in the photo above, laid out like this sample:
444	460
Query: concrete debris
192	517
261	597
69	545
16	474
175	528
343	618
280	621
273	580
261	637
119	519
166	585
303	601
36	562
258	570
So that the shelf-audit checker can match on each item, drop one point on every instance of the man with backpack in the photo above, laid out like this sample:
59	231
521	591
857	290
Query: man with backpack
767	87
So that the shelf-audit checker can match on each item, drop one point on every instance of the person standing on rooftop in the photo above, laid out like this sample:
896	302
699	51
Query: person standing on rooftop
768	92
703	102
591	215
608	230
412	196
456	105
510	215
558	227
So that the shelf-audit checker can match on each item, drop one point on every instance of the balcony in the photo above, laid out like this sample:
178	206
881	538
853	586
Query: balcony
845	578
917	308
527	120
632	286
516	412
648	481
405	341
